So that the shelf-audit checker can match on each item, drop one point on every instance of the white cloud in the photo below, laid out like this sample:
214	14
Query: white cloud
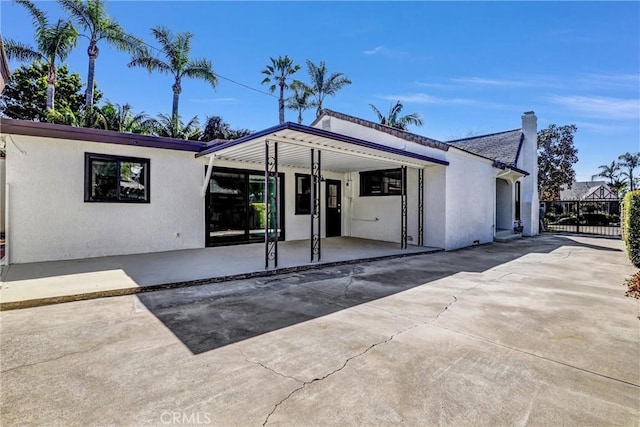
375	51
211	100
600	106
423	98
384	51
492	82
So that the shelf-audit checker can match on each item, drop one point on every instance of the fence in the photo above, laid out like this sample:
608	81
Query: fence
593	216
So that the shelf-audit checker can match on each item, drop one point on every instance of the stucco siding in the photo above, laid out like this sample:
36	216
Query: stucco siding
49	220
470	200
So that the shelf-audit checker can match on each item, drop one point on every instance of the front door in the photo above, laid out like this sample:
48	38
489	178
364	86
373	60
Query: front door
334	208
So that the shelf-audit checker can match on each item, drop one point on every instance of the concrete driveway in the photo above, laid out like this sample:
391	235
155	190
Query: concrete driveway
532	332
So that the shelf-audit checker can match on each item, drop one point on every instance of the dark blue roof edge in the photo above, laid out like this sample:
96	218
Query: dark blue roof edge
50	130
325	134
501	165
515	162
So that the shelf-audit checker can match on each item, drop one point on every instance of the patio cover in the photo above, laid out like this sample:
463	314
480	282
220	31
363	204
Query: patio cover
340	153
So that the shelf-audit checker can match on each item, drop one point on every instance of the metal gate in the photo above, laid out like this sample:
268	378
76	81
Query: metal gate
588	216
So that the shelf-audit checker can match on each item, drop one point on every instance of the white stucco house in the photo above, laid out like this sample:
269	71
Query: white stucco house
74	193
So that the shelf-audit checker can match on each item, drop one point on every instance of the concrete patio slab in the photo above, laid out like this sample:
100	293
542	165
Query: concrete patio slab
522	333
33	284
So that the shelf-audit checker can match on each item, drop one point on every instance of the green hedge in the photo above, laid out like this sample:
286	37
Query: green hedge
631	228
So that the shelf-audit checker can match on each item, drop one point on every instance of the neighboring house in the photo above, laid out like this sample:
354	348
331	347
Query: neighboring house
77	192
588	190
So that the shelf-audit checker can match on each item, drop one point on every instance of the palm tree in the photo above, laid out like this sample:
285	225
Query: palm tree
122	119
394	119
630	162
91	117
277	73
53	41
609	172
323	85
300	99
173	127
176	49
217	128
91	16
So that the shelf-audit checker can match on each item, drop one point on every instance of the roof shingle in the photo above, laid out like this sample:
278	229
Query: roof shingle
503	147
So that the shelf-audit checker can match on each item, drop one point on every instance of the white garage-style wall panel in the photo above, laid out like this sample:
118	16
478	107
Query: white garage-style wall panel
51	221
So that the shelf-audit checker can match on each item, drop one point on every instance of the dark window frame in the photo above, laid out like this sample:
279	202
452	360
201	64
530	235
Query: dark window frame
90	157
364	192
299	209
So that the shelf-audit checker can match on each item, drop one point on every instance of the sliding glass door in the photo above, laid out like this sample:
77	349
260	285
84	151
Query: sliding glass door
235	207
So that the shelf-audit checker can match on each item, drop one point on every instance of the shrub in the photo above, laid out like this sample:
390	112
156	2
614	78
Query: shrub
631	227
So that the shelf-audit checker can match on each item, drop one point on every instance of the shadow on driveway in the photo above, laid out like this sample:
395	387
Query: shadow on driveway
212	316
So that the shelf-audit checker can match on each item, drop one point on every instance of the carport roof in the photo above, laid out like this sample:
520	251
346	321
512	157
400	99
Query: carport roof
341	153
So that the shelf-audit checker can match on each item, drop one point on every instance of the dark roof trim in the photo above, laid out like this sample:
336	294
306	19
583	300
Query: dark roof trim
519	148
49	130
407	136
323	134
500	165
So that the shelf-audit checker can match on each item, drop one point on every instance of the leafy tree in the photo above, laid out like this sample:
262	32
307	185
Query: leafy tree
218	128
53	41
324	84
300	100
176	49
122	119
630	161
25	96
277	74
395	120
556	157
173	127
91	16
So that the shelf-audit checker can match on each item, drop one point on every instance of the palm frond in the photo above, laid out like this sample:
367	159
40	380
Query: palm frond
20	51
201	69
150	63
39	18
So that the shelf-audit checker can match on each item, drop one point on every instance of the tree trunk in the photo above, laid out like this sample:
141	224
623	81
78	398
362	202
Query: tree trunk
93	52
51	86
177	88
299	116
319	110
281	103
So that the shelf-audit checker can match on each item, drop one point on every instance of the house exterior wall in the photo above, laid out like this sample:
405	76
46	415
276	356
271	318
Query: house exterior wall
469	199
357	131
49	220
459	198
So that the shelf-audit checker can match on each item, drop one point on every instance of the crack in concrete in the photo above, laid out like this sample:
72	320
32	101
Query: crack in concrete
346	362
455	299
255	362
346	288
50	360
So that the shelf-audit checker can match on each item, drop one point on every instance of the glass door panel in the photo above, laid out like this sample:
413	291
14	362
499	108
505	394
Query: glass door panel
227	207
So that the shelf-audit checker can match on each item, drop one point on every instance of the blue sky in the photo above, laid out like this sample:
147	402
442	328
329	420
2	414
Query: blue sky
468	68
